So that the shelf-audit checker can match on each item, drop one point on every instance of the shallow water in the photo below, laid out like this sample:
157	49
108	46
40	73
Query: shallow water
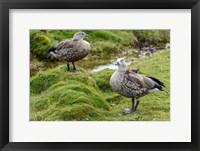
93	63
101	67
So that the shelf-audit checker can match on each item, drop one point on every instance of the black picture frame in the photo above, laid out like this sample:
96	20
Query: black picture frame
5	5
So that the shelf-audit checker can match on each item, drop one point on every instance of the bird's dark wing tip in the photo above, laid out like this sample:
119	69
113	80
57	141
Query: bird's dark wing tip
52	49
157	81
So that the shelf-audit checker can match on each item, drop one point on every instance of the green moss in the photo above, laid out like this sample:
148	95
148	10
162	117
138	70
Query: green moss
55	91
77	99
114	98
70	93
106	47
102	41
43	80
60	95
39	44
153	37
82	112
124	36
102	79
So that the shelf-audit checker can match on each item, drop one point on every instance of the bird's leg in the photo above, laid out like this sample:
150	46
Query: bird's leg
133	103
127	110
74	68
68	67
138	101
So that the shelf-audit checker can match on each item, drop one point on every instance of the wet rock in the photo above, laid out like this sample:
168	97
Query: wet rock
167	45
147	53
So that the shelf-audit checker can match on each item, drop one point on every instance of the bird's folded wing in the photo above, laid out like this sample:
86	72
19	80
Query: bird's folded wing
135	78
136	70
149	82
65	44
139	79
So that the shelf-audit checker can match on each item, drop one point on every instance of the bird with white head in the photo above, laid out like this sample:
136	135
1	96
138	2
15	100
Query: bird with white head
133	85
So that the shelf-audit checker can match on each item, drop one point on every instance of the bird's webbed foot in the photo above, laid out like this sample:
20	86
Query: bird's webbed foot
74	68
128	110
75	71
134	107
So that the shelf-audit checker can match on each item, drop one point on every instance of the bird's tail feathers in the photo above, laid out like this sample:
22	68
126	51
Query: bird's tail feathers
158	81
51	49
164	91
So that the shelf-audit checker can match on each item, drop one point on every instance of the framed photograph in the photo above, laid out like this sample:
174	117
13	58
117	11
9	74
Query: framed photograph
99	75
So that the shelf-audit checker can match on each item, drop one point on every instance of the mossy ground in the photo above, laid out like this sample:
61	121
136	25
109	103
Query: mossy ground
103	42
59	95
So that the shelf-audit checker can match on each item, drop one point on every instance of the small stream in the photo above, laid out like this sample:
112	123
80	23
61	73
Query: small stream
96	63
101	67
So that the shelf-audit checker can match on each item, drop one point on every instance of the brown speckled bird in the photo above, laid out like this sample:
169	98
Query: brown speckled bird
71	50
133	85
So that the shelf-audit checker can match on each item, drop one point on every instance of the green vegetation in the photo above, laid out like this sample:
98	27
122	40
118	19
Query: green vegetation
103	42
59	95
153	37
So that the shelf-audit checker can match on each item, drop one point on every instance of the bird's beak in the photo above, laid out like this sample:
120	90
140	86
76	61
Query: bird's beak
86	35
117	63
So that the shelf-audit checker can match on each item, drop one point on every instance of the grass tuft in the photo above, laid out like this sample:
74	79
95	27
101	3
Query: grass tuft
59	95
